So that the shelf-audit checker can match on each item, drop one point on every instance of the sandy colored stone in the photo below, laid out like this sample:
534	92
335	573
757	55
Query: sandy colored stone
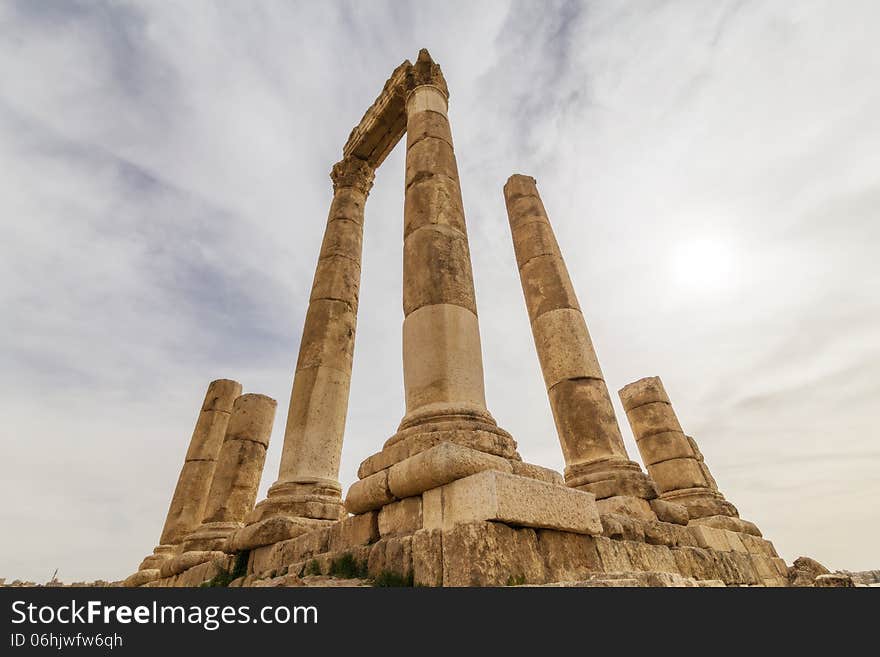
664	446
710	538
315	424
734	540
425	98
391	555
651	419
547	286
804	571
443	359
676	474
585	421
695	562
427	124
564	347
622	482
532	240
265	559
835	580
369	493
613	555
641	392
491	554
337	278
190	495
650	558
438	466
430	156
670	512
306	546
567	556
730	523
401	517
141	577
448	279
433	201
328	336
188	560
513	500
427	557
270	531
343	238
352	531
626	505
538	472
525	209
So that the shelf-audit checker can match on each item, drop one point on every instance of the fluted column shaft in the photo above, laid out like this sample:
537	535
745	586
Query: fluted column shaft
238	472
442	356
194	482
579	399
671	457
308	478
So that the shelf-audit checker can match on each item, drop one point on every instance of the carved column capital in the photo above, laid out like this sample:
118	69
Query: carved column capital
426	72
352	172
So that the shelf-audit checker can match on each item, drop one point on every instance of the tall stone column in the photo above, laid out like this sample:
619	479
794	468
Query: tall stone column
191	494
672	459
595	456
442	357
237	474
307	491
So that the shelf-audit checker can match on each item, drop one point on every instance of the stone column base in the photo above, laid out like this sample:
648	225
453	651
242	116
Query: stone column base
161	554
210	536
701	502
611	477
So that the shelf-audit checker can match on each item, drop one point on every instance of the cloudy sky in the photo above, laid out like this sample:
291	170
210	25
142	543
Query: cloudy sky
711	170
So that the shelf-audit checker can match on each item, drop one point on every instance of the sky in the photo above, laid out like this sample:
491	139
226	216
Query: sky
710	170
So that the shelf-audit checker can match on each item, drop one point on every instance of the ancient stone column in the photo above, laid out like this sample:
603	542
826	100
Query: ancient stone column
191	494
672	459
307	486
595	456
442	357
237	474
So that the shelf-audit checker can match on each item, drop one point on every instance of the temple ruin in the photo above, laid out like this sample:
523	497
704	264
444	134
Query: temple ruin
447	500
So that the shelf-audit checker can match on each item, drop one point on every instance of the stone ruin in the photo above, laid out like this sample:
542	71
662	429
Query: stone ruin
447	501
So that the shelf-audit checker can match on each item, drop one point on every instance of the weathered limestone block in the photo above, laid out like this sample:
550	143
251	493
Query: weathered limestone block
188	560
626	505
584	420
438	466
401	517
710	538
449	281
613	555
695	562
491	554
270	531
670	512
676	474
804	571
352	531
730	523
433	202
265	559
653	558
305	546
735	543
141	577
426	470
661	533
392	555
538	472
567	556
482	437
623	527
427	557
513	500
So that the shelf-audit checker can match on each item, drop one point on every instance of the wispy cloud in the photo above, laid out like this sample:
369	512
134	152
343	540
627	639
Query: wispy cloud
165	189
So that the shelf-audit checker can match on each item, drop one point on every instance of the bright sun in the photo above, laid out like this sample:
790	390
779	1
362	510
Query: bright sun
702	264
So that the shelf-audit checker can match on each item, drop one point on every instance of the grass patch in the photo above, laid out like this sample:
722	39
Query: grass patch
224	577
347	567
519	580
313	568
388	578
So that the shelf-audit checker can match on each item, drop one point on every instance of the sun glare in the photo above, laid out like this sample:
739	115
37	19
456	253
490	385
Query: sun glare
702	264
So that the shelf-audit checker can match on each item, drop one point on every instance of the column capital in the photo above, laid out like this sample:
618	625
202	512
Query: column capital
352	172
426	72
